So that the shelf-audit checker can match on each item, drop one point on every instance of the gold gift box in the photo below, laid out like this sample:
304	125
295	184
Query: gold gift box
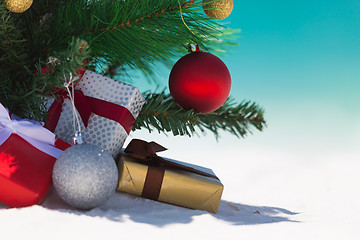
178	187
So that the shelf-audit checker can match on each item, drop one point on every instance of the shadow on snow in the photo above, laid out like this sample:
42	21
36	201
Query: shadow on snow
122	207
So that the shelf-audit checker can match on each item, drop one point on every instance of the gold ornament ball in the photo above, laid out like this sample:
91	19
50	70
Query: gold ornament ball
18	6
219	9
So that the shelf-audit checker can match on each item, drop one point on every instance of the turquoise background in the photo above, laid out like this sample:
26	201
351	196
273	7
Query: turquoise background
300	61
297	50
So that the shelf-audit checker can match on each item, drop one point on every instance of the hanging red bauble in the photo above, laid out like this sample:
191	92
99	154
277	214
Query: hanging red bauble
200	81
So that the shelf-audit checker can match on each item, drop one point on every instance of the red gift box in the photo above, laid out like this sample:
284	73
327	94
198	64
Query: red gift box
26	163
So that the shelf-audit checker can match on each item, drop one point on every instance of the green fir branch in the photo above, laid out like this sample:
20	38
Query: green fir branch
15	76
27	99
123	34
134	34
238	119
161	113
14	49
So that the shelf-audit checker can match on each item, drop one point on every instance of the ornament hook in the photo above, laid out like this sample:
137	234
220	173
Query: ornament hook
194	48
79	138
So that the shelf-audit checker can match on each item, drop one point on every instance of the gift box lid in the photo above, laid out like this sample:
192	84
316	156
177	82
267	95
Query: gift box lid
110	90
193	166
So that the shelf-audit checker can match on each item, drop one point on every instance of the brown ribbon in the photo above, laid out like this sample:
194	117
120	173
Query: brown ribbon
145	152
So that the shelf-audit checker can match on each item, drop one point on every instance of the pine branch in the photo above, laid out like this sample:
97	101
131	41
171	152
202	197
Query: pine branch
163	114
15	76
26	98
134	34
121	34
13	47
69	63
238	119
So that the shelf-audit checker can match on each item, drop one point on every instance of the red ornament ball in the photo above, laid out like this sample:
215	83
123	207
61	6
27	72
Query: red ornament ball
200	81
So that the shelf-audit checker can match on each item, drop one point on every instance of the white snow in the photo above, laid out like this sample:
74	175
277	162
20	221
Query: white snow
276	187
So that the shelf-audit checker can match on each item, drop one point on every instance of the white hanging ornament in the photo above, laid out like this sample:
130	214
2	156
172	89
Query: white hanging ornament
84	175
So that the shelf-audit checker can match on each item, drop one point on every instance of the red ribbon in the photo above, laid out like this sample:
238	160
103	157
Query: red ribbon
86	105
81	104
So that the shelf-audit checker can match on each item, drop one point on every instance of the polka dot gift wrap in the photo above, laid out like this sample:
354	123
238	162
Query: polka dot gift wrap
103	132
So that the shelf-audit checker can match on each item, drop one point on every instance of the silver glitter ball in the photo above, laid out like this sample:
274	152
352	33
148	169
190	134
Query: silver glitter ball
85	176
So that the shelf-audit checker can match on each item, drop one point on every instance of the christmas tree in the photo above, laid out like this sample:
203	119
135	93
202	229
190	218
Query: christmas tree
46	41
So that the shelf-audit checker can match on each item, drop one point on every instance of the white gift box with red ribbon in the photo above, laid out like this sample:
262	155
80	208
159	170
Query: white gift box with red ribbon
108	109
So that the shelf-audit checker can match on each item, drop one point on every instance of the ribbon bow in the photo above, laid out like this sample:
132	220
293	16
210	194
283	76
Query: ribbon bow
36	135
81	104
145	152
86	105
